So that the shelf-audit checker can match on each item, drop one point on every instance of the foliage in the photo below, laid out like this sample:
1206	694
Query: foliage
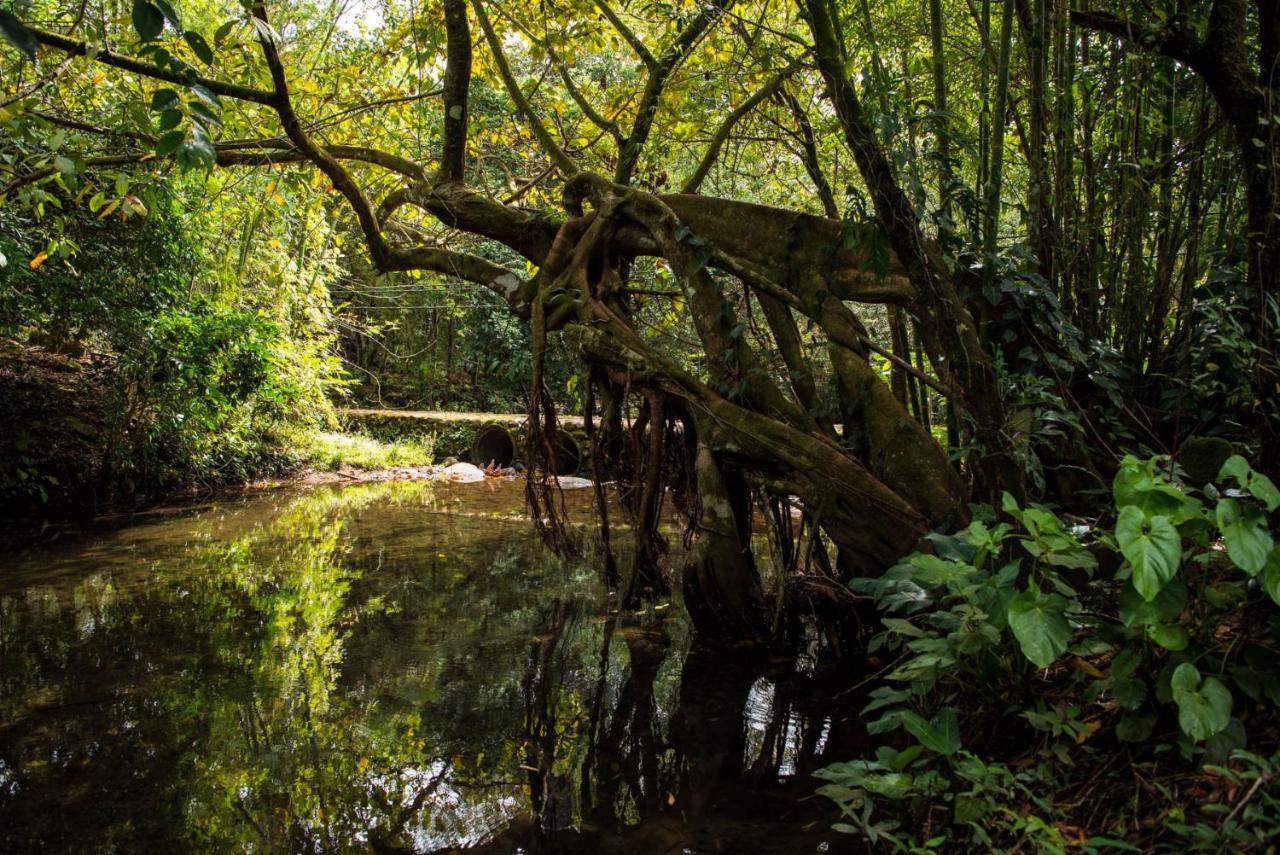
195	382
326	450
1180	631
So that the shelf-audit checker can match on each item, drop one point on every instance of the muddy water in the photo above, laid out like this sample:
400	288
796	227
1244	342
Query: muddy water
390	667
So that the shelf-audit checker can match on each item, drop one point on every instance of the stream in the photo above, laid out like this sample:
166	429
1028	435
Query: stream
386	667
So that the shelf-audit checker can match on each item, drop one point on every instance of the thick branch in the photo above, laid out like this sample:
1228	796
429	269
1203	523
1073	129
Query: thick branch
457	83
324	161
146	69
386	160
1174	41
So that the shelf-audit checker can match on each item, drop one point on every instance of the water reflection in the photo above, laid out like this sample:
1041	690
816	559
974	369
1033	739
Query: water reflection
389	667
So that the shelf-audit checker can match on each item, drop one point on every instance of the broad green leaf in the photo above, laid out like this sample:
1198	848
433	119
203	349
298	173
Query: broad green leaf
1137	485
202	113
207	95
197	152
1167	605
891	785
1258	485
163	99
941	736
1170	636
1135	727
1244	530
1262	489
1124	664
1129	694
1039	623
1153	546
170	119
18	35
170	14
220	34
1236	467
148	20
199	46
169	143
1271	574
1204	706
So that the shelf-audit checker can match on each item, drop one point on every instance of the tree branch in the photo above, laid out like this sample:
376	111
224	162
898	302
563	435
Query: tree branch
721	135
457	84
656	82
609	126
146	69
1174	42
558	156
628	34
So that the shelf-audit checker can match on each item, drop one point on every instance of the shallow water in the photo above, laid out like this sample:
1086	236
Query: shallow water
391	667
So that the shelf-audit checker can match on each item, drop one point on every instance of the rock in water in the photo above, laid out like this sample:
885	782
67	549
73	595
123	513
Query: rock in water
463	473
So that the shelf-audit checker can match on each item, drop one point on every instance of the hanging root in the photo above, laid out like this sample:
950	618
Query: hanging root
546	499
648	581
610	572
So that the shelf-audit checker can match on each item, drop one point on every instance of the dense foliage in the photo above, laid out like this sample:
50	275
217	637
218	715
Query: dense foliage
1100	642
161	377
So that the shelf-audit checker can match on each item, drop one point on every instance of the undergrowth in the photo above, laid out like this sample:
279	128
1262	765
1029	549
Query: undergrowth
329	451
1069	685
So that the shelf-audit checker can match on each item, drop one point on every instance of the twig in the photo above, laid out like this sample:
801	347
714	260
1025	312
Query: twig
1262	779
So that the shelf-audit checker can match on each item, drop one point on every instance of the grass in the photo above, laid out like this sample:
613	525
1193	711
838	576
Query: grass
329	451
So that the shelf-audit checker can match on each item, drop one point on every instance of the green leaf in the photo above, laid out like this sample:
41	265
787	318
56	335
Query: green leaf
1236	467
1129	694
942	735
1264	490
1153	546
65	165
1204	707
163	99
16	34
148	20
1165	608
1135	727
1039	623
170	119
1271	575
199	46
197	152
1170	636
207	95
170	14
206	116
1137	485
220	34
1258	485
170	142
1244	529
891	785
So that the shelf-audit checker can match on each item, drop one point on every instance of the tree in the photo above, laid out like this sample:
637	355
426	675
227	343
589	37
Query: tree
540	175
